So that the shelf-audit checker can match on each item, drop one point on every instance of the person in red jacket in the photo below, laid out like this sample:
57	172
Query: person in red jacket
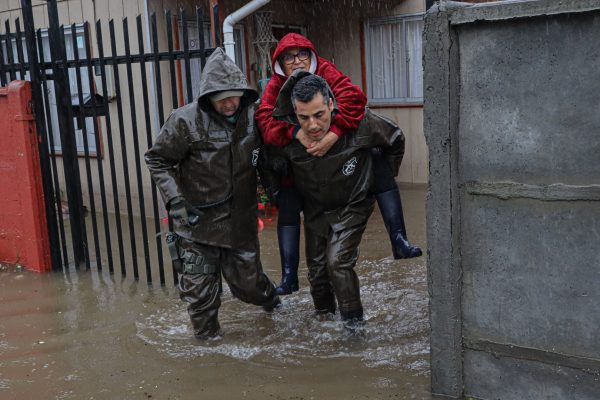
293	52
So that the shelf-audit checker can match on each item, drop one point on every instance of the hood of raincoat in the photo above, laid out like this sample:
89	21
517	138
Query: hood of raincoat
284	108
293	40
221	73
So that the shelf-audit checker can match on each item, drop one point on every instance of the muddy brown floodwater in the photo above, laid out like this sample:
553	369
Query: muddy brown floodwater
92	335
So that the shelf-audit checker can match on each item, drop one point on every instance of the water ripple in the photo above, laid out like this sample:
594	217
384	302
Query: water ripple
395	335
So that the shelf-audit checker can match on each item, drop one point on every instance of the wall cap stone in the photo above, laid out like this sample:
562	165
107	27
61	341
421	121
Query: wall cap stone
464	13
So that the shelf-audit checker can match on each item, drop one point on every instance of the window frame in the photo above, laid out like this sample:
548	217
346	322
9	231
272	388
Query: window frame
398	19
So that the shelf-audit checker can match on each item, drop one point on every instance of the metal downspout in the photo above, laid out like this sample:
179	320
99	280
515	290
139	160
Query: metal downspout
234	18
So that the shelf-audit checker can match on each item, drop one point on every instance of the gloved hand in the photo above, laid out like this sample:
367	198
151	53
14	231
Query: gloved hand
177	209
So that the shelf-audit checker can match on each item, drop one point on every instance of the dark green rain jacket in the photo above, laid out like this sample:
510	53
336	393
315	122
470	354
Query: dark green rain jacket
211	162
336	187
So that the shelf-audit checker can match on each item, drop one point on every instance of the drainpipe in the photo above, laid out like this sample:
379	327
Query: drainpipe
233	19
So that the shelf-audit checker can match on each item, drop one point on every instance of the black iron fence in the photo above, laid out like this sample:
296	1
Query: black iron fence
95	120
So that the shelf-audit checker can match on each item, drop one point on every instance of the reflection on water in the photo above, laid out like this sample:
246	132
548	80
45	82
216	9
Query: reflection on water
89	334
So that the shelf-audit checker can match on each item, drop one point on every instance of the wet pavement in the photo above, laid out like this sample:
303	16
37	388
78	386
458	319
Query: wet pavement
93	335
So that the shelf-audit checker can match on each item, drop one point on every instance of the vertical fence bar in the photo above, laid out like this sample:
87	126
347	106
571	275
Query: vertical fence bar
86	151
148	127
173	90
161	112
136	147
171	59
161	115
186	58
111	155
69	150
38	108
2	77
78	214
113	45
200	24
9	52
3	81
57	199
91	83
19	45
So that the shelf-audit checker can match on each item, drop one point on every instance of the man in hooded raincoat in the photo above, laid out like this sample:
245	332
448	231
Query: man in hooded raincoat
336	187
204	164
296	52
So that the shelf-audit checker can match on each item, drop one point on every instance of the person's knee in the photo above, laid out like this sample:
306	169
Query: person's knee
253	288
344	259
198	289
317	269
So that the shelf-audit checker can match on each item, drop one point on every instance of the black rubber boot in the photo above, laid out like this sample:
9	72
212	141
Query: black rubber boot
275	303
323	299
390	206
353	322
289	250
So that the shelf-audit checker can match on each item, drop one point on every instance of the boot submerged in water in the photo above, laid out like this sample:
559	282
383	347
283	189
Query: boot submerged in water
354	324
275	303
390	206
324	301
289	251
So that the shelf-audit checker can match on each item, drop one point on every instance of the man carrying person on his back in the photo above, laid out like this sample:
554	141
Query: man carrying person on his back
204	164
336	188
296	52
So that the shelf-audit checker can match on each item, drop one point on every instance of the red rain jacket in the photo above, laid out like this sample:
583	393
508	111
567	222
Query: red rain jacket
350	99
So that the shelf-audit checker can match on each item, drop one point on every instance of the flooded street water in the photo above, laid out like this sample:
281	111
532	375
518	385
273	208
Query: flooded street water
92	335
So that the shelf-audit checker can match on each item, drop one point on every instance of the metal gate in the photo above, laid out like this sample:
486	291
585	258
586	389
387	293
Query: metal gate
95	119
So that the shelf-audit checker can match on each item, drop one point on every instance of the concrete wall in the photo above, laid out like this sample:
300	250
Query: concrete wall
512	125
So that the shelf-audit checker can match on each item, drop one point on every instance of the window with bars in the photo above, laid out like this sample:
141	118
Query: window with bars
393	55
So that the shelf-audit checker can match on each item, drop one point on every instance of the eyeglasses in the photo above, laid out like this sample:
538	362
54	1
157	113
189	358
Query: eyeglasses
302	55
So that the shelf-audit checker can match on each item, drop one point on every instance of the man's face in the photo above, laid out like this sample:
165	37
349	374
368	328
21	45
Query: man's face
295	58
314	116
227	106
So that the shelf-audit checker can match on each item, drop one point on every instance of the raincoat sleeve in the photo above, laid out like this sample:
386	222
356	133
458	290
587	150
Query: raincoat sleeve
351	100
383	133
274	132
171	146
